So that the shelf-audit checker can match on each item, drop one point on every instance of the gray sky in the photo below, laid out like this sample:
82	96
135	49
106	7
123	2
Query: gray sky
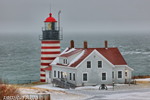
76	15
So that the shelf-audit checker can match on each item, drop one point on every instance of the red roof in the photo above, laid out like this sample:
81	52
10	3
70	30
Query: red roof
111	54
71	53
48	68
50	18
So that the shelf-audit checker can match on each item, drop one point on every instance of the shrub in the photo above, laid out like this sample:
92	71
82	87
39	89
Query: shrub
140	76
8	90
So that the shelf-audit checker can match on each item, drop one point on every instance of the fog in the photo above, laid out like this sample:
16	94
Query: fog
97	16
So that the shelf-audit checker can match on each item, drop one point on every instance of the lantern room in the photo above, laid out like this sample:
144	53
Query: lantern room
50	23
50	30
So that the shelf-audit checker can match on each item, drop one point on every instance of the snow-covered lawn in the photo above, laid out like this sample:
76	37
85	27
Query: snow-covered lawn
129	96
145	79
121	91
50	86
55	92
90	87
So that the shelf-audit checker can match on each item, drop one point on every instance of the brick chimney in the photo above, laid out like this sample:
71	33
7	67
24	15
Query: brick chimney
106	44
85	44
71	44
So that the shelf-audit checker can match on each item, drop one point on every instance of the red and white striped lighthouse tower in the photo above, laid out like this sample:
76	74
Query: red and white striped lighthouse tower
50	44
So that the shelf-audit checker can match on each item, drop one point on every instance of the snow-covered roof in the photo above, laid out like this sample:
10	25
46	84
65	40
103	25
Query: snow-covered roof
70	52
112	55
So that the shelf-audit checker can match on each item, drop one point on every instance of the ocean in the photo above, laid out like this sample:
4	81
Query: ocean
20	53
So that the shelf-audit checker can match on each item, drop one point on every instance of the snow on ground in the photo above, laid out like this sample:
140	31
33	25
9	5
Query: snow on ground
90	87
50	86
129	96
55	92
145	79
121	91
82	93
120	84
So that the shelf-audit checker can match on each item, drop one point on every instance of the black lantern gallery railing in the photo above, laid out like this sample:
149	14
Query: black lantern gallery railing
51	34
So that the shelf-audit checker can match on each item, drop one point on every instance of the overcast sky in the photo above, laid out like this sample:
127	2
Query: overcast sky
76	15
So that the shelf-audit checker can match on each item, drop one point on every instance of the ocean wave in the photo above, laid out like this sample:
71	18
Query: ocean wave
146	53
135	52
130	52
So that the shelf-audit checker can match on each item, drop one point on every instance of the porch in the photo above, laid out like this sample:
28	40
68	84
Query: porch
62	83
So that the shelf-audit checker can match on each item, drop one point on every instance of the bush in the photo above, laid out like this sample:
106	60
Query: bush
140	76
8	90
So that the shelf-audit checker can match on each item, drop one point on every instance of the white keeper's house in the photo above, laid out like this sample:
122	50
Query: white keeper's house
90	66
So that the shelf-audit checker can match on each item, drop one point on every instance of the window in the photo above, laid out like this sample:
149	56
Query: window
58	74
113	74
84	76
125	73
49	74
88	64
65	61
61	74
99	64
70	76
54	73
103	76
73	76
119	74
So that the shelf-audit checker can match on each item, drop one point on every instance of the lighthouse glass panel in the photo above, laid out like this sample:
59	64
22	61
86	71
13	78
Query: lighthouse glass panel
50	26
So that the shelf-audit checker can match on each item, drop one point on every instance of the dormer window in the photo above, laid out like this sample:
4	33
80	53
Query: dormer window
65	61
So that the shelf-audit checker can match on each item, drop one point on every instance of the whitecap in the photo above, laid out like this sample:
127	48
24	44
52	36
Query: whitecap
146	53
130	52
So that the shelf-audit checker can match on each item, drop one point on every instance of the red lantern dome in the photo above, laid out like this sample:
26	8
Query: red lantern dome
50	18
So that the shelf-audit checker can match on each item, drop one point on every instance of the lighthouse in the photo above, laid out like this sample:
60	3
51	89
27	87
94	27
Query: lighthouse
50	44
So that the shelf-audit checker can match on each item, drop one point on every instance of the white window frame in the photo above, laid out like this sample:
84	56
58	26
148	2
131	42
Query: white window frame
97	64
102	77
87	76
86	64
54	74
73	77
117	74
